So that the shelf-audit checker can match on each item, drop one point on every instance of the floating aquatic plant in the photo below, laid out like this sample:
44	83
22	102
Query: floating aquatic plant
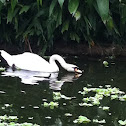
17	124
51	104
122	98
122	122
12	121
114	97
68	114
9	118
85	104
100	93
82	119
2	69
105	108
99	121
105	63
58	96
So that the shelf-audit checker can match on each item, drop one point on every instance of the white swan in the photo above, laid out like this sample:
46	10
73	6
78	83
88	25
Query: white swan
33	62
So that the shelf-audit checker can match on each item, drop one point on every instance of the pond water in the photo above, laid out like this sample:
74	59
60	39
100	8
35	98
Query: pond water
22	95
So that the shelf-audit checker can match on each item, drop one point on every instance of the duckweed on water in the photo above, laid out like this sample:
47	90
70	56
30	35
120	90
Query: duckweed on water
122	122
58	96
17	124
99	121
114	93
82	119
68	114
51	104
8	118
12	121
105	108
2	69
105	63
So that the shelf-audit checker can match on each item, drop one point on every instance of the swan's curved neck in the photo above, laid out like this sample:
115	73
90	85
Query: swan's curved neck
58	58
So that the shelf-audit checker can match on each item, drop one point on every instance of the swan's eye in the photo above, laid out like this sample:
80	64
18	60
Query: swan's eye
76	69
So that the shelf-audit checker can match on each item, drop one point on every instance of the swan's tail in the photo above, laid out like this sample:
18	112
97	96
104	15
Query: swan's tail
7	57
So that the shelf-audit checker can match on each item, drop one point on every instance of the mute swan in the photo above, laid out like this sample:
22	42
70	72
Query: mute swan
33	62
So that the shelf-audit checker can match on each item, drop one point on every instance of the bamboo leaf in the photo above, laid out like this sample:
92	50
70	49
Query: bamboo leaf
74	36
77	15
9	15
16	24
40	2
1	5
52	6
13	4
72	6
3	1
59	18
103	9
77	38
24	9
61	3
65	26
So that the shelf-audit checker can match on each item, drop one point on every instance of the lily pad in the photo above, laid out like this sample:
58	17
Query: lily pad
51	104
105	63
2	69
68	114
122	122
99	121
82	119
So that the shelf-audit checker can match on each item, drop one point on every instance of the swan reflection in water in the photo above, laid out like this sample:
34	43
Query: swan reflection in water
33	77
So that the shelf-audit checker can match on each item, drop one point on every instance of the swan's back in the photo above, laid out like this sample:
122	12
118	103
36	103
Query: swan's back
30	61
26	61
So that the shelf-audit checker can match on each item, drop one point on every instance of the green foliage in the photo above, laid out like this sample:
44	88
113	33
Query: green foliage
12	121
42	22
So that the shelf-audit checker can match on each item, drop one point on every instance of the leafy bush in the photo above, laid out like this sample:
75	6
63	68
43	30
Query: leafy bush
41	22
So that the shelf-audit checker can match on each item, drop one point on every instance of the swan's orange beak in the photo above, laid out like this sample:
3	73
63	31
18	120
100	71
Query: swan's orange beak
77	70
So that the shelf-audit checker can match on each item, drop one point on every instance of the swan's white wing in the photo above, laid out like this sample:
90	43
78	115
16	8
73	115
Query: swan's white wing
30	61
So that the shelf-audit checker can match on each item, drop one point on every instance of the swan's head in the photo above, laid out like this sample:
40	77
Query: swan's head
73	68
